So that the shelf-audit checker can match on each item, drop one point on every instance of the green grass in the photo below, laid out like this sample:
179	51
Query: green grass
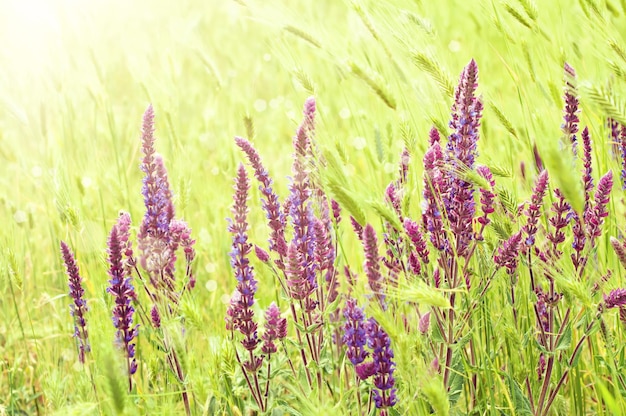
77	77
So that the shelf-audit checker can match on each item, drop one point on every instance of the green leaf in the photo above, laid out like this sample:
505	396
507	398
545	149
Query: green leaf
566	339
520	401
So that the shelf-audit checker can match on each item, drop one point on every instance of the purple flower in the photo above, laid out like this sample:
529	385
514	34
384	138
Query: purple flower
358	228
434	186
261	254
123	293
620	250
270	202
570	116
433	136
508	253
615	299
486	195
580	239
79	307
336	211
300	204
587	178
424	323
300	287
405	159
412	230
559	221
155	317
599	212
372	264
241	314
534	209
354	332
620	140
275	328
382	356
461	151
154	230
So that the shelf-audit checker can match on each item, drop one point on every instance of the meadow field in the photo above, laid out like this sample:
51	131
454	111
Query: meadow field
423	211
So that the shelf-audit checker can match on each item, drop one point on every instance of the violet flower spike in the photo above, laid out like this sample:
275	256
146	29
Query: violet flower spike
534	209
270	202
599	212
242	312
123	293
412	230
508	253
372	264
621	145
382	356
615	299
153	238
354	332
336	211
435	185
559	221
587	178
620	250
486	195
79	307
570	113
275	329
461	151
433	136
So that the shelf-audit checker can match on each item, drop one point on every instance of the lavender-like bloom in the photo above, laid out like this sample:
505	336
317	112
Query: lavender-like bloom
261	254
79	307
541	366
621	145
542	310
620	250
122	290
391	195
275	329
270	202
508	253
599	212
462	144
486	195
358	228
433	136
241	313
615	299
570	116
434	186
405	159
372	264
587	178
412	230
559	221
424	323
382	356
580	239
354	332
336	211
533	212
153	236
300	287
155	317
301	210
325	254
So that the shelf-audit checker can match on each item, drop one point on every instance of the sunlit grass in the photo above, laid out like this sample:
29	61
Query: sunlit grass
77	76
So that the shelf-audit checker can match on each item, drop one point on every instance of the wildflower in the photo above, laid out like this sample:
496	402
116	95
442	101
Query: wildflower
382	356
433	136
533	212
79	307
570	116
424	323
372	264
587	178
354	332
275	328
461	152
620	250
559	221
261	254
596	216
412	230
155	317
336	211
434	185
615	299
123	292
270	202
508	253
241	313
486	195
